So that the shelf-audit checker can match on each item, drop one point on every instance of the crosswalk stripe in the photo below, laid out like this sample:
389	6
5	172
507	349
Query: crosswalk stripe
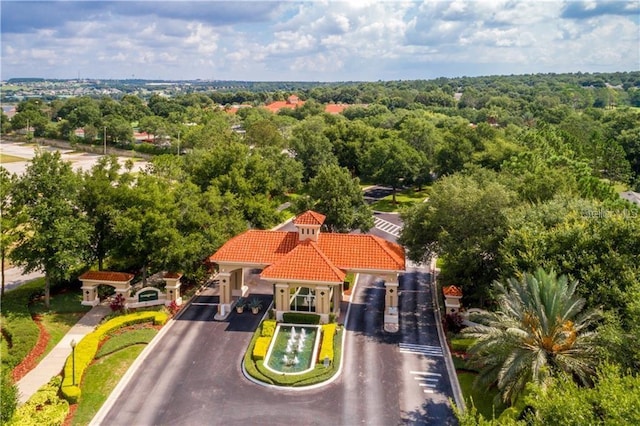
425	373
428	391
408	348
388	227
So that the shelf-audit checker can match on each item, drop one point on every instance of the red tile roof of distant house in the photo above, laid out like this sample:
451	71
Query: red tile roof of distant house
452	290
286	257
335	108
106	276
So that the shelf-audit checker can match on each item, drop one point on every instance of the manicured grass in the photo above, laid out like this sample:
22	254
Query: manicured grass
404	198
5	158
126	339
482	398
100	379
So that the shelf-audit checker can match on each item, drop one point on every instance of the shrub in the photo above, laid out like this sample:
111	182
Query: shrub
43	408
453	323
87	348
301	318
326	350
260	348
461	345
117	303
8	396
268	328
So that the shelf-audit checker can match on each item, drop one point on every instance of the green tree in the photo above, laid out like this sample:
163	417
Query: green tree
464	220
100	200
264	133
392	162
334	193
7	218
538	330
311	147
52	235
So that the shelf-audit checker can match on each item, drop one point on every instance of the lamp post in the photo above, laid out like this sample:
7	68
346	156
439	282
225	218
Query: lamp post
73	362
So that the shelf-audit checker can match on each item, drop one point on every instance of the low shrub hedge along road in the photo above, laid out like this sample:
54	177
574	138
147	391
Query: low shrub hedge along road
256	369
87	348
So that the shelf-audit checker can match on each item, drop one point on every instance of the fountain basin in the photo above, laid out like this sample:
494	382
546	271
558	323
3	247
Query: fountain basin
293	349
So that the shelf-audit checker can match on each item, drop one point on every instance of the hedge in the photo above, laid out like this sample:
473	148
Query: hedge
462	344
326	350
268	328
260	348
301	318
17	325
43	408
87	348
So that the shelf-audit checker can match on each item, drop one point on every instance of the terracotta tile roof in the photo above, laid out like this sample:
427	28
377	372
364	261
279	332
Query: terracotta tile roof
452	290
254	246
306	262
335	108
361	251
172	275
106	276
309	218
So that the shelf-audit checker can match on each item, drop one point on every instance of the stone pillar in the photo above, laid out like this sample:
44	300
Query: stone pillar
391	302
337	299
225	294
89	294
323	303
281	298
237	283
173	291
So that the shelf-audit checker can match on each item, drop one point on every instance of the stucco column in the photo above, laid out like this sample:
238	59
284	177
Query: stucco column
391	302
225	288
89	294
173	291
337	299
322	300
282	299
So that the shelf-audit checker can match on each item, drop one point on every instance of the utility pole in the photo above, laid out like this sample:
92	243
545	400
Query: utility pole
105	140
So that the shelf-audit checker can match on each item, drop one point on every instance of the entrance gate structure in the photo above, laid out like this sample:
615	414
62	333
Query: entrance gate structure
307	267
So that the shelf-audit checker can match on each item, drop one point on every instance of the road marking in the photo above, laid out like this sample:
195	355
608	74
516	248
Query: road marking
408	348
204	304
425	373
388	227
428	391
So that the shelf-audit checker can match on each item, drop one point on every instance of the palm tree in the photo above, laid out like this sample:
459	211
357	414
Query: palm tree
537	331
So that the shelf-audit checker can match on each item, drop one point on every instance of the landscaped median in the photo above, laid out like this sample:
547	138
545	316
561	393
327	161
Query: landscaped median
331	349
87	348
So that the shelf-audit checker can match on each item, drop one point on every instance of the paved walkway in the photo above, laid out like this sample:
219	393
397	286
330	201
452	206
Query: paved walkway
53	363
15	277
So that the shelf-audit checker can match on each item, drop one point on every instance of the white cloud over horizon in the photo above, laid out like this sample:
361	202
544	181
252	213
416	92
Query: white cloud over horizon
315	40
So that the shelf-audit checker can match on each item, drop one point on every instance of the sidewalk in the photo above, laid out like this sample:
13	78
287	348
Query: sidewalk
53	363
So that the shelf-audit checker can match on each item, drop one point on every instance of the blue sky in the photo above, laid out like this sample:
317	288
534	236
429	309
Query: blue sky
315	40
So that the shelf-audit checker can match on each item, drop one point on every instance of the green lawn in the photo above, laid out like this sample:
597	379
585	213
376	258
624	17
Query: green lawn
100	379
482	398
404	198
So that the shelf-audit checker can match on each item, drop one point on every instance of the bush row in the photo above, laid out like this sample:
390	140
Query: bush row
17	325
87	348
136	337
268	328
260	348
301	318
326	350
43	408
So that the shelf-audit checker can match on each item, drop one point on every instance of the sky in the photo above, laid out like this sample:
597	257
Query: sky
359	40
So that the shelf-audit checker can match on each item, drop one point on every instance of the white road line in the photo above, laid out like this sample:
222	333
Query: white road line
425	373
386	226
409	348
428	391
204	304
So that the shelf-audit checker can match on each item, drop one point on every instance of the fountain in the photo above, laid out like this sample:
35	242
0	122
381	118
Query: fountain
293	349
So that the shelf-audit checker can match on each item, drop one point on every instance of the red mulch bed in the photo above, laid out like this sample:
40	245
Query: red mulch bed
31	360
70	414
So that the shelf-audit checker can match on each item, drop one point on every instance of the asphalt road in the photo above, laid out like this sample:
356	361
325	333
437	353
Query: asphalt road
193	377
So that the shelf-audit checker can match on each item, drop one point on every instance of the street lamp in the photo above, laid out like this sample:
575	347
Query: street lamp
73	362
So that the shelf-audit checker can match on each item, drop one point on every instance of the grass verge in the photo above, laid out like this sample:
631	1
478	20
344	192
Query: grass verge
5	158
100	379
482	398
405	198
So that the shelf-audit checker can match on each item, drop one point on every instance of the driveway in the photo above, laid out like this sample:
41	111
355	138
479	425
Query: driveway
194	376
